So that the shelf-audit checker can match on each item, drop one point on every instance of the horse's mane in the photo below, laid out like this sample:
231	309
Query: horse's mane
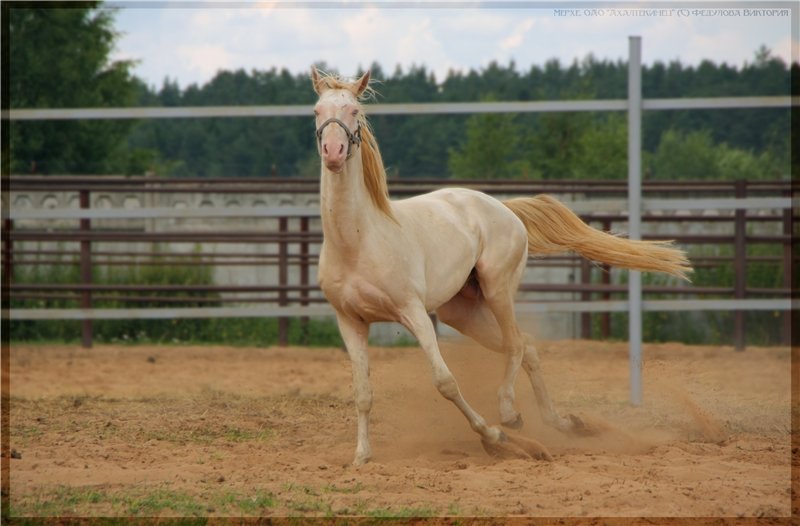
374	171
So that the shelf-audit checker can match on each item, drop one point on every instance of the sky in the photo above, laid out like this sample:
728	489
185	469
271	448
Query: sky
189	42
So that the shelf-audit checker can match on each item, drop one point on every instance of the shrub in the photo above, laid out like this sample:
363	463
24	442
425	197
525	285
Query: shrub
230	331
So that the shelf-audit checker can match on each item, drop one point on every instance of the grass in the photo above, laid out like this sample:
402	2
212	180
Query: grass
160	500
209	435
243	435
69	501
333	488
311	505
401	513
253	505
66	501
25	433
308	500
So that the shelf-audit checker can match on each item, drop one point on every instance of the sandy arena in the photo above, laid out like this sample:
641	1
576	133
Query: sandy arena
221	431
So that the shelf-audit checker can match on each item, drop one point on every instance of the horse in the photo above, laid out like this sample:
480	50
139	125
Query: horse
455	252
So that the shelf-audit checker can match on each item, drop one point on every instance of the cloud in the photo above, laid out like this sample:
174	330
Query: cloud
787	49
191	44
206	20
420	46
206	59
474	23
514	40
369	33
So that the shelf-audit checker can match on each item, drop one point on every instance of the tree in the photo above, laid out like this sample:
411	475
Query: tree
555	144
603	150
550	145
685	156
59	58
694	155
492	150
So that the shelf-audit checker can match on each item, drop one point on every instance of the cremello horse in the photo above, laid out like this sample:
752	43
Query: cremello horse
456	252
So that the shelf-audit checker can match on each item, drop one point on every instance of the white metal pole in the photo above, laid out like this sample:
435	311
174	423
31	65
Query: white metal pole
634	213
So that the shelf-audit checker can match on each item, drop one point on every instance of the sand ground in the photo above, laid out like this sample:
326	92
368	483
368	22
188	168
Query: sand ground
201	430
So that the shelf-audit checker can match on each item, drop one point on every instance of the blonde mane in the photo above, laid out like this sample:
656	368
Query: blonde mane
374	171
371	160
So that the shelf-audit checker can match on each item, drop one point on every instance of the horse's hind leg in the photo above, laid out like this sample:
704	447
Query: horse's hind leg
530	364
501	304
473	318
416	320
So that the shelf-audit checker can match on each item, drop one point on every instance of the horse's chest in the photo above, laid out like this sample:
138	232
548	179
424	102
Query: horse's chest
355	296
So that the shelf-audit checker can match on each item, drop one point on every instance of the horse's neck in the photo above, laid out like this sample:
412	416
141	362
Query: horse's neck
346	207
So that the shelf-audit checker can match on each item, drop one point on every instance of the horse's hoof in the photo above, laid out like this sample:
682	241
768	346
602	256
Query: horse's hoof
511	447
504	449
532	447
585	427
517	423
359	462
361	459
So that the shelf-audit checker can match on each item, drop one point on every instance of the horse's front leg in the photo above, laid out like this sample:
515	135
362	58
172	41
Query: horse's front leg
355	333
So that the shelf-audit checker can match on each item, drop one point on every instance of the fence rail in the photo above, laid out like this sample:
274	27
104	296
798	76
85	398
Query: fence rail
441	108
292	243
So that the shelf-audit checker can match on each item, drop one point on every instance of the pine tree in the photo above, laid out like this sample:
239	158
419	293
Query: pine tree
59	58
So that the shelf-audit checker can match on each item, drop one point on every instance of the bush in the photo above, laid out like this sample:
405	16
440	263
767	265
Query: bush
712	327
229	331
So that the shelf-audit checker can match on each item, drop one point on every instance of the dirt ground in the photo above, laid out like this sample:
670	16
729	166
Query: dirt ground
220	431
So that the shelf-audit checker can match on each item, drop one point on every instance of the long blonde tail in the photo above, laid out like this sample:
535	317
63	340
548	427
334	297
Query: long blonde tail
552	227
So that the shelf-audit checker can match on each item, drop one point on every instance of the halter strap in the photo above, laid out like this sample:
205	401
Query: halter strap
352	137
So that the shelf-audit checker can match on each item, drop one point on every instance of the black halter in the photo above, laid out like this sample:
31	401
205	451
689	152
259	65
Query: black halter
352	137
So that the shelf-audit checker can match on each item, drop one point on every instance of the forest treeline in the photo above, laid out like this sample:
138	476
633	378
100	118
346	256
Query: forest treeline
690	144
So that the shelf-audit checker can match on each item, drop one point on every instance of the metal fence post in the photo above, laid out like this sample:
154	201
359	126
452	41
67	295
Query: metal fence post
283	280
304	264
634	213
586	317
8	255
788	275
605	279
86	270
740	266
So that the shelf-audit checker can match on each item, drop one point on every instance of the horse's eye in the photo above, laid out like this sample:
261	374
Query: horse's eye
355	112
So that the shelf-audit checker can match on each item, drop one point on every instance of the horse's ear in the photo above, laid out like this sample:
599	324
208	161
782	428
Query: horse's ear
362	84
319	86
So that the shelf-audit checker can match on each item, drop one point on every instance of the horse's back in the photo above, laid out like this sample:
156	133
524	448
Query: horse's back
451	216
479	213
463	204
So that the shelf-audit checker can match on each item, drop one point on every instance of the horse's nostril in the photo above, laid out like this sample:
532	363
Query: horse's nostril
341	149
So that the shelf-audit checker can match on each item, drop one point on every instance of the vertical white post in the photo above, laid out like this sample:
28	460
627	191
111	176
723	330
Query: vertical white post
635	213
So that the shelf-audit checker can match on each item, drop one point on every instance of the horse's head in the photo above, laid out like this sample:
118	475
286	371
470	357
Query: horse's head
338	117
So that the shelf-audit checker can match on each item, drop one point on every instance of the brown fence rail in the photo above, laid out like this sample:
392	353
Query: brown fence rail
290	242
399	187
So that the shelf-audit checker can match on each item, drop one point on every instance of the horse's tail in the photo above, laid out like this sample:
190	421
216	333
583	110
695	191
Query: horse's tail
552	227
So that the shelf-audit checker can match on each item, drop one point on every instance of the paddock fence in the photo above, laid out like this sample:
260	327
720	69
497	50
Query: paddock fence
736	205
270	228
